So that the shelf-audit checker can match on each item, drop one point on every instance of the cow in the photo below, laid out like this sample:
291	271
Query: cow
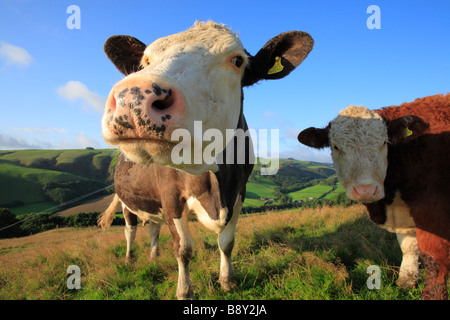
195	76
399	167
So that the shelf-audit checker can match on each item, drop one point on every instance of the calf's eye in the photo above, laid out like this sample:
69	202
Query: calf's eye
237	61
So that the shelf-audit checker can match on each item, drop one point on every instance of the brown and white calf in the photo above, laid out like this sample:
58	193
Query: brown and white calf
400	169
195	75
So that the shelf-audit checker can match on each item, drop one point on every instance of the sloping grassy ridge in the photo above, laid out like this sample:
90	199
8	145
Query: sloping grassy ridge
309	254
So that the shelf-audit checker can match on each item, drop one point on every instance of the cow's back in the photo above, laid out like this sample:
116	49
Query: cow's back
435	110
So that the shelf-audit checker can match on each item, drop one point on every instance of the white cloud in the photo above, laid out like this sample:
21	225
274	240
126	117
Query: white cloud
269	115
85	141
42	130
74	90
291	133
307	154
8	142
29	139
14	55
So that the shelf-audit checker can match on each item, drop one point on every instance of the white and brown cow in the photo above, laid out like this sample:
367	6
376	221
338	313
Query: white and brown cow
195	75
400	169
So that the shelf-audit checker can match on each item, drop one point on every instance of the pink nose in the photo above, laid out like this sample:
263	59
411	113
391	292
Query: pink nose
138	108
365	192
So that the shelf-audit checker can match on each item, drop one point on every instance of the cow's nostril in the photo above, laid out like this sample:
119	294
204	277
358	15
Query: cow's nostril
163	104
376	191
112	104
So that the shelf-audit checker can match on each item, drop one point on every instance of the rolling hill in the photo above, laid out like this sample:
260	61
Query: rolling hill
33	180
36	180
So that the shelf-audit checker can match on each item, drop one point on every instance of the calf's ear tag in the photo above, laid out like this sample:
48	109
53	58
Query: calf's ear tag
408	132
277	67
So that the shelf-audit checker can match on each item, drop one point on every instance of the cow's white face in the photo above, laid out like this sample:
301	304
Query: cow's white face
199	75
358	141
188	78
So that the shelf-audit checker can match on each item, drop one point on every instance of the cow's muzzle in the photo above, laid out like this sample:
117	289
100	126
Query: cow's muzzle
365	193
139	108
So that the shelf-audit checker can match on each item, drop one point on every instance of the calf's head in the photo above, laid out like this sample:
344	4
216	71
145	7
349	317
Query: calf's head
358	139
195	75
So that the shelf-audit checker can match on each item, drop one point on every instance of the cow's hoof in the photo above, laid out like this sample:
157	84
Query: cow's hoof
130	258
406	282
185	296
154	254
227	285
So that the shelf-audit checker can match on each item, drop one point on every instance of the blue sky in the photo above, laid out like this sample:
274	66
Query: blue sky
54	81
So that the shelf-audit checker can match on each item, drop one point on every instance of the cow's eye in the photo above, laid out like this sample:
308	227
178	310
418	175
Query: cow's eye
337	150
146	61
237	61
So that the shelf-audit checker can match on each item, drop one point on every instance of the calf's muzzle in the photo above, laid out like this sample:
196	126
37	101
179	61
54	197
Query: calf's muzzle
366	193
139	108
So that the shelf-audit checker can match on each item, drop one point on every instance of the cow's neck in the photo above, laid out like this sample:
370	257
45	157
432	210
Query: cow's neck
232	177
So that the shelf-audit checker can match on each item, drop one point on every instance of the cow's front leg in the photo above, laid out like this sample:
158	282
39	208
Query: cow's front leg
154	228
183	246
409	269
130	232
226	244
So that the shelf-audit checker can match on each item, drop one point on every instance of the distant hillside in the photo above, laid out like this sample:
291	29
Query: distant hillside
33	180
36	180
286	185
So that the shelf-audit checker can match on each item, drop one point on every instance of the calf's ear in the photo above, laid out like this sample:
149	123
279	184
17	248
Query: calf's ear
125	52
314	137
278	57
405	127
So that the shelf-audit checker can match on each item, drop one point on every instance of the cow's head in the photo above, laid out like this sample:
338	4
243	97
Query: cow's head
359	140
195	75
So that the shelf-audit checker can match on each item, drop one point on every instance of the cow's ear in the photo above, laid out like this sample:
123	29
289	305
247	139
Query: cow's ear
315	137
278	57
405	127
125	52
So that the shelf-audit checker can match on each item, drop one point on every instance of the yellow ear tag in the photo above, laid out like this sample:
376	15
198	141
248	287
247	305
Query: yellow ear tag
408	132
277	67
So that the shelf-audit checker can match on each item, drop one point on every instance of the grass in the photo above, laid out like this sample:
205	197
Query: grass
312	192
339	189
33	208
256	190
24	174
28	185
309	254
253	202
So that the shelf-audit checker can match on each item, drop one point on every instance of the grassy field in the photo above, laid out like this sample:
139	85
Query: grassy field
310	254
312	192
28	176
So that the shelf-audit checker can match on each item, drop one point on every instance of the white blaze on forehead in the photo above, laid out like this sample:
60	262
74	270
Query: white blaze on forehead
358	127
210	36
